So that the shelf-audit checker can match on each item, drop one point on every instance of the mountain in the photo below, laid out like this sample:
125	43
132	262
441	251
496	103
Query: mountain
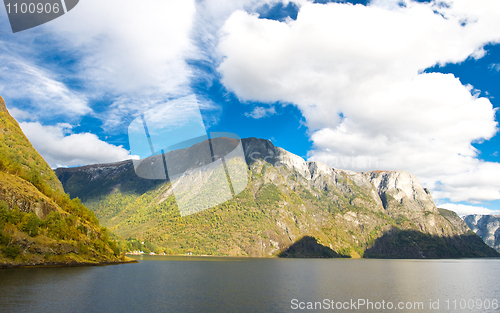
39	223
290	208
487	227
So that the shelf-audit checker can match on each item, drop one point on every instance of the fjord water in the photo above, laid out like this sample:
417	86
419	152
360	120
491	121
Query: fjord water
204	284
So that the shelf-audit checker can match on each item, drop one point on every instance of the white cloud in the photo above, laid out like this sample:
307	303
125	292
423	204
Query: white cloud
462	209
132	55
495	67
22	80
21	115
129	48
260	112
209	18
355	72
119	51
61	148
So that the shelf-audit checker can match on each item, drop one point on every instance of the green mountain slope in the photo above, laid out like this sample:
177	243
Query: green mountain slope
290	208
39	223
18	156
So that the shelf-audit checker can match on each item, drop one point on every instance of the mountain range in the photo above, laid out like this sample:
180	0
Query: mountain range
290	208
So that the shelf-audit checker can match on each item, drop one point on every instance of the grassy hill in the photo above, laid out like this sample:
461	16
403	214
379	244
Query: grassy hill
39	223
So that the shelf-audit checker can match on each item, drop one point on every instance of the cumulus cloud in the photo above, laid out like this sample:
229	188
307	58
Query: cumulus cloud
118	51
463	209
209	19
130	48
356	73
61	148
260	112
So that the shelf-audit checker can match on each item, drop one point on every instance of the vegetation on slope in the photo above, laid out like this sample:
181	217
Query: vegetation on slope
17	155
279	213
39	223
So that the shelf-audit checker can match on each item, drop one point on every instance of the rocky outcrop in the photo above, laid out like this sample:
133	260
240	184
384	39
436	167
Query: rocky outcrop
388	189
17	192
402	187
487	227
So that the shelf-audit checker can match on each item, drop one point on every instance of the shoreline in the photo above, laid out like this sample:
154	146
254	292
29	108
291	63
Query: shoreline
72	264
308	258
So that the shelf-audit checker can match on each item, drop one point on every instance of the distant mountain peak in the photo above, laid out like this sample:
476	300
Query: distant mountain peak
487	227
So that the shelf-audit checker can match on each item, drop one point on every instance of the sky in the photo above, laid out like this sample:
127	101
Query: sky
358	85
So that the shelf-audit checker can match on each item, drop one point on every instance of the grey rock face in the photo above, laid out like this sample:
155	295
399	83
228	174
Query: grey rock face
97	171
400	186
487	227
404	188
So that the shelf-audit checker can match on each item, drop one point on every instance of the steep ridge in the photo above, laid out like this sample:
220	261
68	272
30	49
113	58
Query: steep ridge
39	223
487	227
373	214
17	153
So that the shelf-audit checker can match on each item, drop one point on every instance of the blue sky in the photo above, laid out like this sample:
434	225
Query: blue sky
358	85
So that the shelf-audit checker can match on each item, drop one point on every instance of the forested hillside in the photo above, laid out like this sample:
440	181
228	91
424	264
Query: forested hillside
39	223
290	208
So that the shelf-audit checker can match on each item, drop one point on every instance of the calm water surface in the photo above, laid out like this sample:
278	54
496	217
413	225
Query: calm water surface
199	284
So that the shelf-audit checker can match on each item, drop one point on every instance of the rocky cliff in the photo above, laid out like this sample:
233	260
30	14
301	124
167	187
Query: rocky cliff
397	193
487	227
372	214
